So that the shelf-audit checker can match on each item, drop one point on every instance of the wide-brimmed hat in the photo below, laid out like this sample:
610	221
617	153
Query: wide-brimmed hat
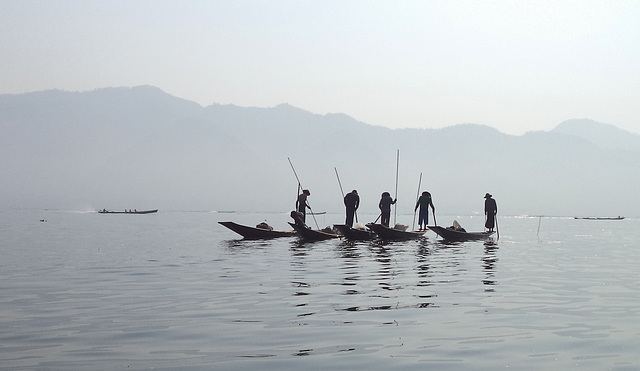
487	195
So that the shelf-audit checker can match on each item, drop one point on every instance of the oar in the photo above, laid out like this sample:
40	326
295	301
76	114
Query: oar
417	197
374	222
300	186
497	228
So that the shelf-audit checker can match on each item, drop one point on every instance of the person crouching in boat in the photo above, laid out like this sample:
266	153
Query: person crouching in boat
351	203
297	218
490	210
423	216
385	208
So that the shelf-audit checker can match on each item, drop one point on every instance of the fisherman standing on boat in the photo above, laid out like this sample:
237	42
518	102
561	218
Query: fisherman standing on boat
490	210
423	216
302	204
351	202
385	208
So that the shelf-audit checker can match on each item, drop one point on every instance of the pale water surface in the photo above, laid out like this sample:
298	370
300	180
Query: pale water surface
175	290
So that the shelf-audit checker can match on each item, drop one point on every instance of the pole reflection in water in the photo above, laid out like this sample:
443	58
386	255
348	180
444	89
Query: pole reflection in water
299	252
489	260
425	275
349	256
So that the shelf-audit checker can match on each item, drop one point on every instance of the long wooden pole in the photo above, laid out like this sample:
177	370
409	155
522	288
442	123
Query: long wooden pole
355	213
395	208
340	184
417	197
299	187
435	222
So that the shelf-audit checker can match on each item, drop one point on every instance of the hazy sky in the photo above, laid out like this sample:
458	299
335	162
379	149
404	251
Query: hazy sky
513	65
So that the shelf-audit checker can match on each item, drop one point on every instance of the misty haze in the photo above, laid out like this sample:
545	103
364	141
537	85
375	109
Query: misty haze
142	148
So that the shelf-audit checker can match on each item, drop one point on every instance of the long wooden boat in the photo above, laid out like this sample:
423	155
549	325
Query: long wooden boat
601	218
312	234
254	233
387	233
455	235
354	234
127	212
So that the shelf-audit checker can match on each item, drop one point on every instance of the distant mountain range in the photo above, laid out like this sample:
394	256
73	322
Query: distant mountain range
141	148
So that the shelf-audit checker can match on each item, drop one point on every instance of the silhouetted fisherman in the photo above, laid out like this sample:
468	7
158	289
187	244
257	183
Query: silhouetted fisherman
302	204
351	202
423	215
490	210
385	208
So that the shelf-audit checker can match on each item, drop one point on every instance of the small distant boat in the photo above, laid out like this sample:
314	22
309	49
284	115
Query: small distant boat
459	235
312	234
104	211
387	233
354	234
255	233
601	218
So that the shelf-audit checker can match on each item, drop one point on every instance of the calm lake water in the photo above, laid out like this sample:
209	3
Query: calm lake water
176	290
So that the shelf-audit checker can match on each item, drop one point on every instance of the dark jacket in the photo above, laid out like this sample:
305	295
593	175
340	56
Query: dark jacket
352	201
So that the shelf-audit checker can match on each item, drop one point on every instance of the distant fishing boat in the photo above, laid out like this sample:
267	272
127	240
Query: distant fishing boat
601	218
104	211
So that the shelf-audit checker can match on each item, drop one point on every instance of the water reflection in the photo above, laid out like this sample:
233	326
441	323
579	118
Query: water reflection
384	274
299	253
423	256
489	260
424	267
350	255
240	244
370	274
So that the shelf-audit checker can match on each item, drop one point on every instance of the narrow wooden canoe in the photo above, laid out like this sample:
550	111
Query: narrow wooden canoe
252	233
128	212
453	235
312	234
354	234
387	233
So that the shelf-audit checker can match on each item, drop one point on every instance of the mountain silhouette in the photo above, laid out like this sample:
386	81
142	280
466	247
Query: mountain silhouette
143	148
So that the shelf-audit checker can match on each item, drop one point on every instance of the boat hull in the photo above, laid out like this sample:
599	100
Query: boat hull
601	218
312	234
354	234
453	235
387	233
128	212
252	233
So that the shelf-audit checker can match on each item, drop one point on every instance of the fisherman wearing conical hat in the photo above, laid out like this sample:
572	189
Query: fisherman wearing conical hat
490	210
